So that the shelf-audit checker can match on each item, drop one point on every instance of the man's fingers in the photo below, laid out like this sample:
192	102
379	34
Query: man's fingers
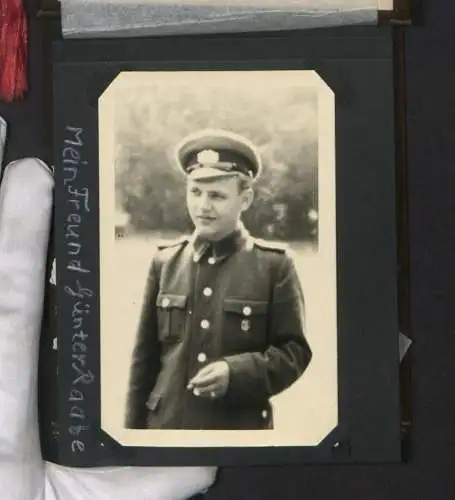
209	390
207	373
206	381
204	377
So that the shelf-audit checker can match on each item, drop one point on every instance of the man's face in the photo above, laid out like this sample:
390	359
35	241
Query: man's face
215	205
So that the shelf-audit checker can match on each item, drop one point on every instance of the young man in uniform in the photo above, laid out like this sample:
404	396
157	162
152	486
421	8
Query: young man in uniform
222	325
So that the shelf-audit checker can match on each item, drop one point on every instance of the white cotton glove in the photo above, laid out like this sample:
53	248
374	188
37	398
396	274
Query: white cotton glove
25	211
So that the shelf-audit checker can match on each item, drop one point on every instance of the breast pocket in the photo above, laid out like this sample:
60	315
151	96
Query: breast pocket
171	316
244	324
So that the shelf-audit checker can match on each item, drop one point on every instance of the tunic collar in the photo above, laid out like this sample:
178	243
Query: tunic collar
221	249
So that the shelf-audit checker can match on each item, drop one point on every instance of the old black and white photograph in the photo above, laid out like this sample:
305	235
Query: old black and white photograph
218	292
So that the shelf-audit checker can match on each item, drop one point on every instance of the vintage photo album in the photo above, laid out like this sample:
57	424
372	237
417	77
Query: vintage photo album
226	271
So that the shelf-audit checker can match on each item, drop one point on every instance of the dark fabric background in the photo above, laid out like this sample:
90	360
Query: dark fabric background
429	473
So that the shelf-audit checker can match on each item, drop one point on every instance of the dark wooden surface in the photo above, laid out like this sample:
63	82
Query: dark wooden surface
430	109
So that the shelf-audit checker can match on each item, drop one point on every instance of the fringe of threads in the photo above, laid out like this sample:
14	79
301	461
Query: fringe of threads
13	49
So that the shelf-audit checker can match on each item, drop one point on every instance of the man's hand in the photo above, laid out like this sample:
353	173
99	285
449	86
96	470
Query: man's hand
211	381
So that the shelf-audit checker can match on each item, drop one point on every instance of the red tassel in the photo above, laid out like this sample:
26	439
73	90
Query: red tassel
13	49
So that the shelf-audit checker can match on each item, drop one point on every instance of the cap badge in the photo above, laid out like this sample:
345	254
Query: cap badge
208	156
245	325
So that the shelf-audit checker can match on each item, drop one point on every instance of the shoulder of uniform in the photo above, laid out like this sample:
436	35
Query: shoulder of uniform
162	244
271	246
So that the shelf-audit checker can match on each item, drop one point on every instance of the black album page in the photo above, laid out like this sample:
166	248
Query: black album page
225	250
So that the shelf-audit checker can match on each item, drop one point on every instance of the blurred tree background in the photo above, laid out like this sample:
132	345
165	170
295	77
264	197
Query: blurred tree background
280	120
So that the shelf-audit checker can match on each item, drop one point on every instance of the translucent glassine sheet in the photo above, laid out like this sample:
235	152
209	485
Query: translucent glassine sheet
114	18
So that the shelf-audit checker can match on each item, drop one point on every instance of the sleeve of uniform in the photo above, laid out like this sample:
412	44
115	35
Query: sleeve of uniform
146	356
257	376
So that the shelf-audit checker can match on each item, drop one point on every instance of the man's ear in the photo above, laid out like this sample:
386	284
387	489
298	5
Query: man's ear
248	198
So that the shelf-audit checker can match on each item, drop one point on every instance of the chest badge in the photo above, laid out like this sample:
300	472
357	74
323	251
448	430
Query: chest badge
245	325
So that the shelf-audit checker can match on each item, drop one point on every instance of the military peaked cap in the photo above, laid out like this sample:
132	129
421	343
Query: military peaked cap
212	153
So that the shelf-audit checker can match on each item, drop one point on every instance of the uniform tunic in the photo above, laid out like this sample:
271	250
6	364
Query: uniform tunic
239	300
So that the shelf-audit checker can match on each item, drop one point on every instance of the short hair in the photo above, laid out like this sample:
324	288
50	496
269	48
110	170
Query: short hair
245	182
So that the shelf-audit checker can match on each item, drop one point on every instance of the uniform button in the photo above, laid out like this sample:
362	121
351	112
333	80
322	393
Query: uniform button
247	310
196	258
165	302
202	357
264	413
205	323
207	291
211	260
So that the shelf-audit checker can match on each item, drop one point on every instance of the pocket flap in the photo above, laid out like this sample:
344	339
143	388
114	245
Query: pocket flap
167	301
245	307
153	402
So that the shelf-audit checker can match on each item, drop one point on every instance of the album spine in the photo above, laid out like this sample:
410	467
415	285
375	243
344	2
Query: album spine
47	365
403	238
